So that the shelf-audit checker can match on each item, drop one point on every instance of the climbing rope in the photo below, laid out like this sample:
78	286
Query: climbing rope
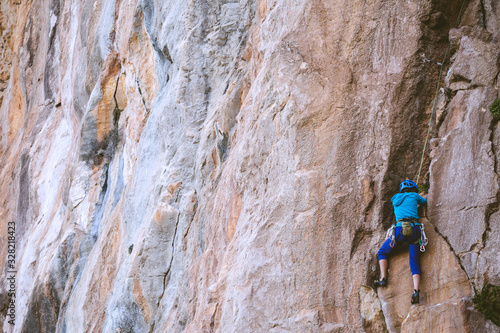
437	91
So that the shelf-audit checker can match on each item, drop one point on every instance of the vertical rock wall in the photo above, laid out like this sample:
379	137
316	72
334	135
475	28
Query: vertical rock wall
227	166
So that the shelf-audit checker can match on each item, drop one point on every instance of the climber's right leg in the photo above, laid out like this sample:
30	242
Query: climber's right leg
382	282
386	248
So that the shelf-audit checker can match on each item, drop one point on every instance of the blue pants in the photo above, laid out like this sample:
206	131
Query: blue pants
413	248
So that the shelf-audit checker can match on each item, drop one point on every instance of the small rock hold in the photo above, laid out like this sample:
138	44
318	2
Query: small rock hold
434	20
367	190
308	316
166	52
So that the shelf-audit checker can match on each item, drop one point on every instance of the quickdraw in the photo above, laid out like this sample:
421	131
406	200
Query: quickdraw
391	233
423	238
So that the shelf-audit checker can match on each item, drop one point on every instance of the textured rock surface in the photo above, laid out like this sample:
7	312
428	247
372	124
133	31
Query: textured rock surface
227	166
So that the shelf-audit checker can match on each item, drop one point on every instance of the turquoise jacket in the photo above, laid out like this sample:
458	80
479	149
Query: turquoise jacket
405	205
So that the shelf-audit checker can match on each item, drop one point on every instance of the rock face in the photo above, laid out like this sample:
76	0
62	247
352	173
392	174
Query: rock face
227	166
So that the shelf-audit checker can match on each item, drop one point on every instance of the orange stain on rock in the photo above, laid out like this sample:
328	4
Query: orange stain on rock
141	300
140	57
106	107
103	278
16	107
263	9
120	96
234	215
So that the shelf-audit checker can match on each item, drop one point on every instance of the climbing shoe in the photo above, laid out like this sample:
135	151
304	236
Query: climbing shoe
381	282
415	298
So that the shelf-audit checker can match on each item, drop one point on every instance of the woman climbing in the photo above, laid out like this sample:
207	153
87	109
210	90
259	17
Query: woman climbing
406	231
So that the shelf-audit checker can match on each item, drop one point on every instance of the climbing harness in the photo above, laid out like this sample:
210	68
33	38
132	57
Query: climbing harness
391	233
437	91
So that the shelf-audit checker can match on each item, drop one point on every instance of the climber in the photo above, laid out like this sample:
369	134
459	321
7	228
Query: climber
407	230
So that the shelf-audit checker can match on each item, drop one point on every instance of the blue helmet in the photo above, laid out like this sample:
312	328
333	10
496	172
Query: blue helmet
407	184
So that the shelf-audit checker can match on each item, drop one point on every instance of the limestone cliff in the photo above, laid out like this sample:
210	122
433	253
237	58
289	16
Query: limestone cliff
227	166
